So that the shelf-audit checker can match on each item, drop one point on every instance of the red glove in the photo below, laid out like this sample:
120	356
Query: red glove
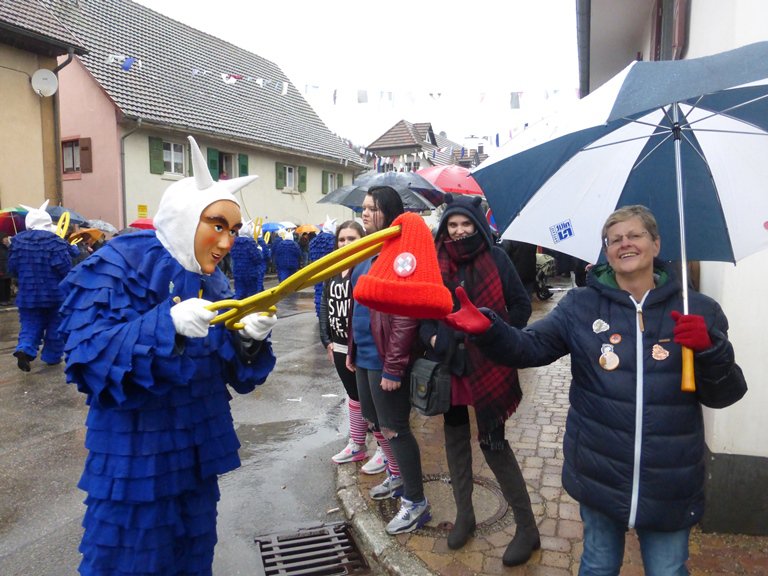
691	331
467	318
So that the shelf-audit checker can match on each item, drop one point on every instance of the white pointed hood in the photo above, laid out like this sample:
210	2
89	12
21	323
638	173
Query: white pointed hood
182	203
38	218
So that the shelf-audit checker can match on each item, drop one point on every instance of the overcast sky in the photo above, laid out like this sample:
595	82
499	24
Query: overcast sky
454	64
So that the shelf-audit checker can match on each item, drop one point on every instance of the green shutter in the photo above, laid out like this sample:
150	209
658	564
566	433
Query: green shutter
339	180
156	165
213	163
188	150
302	178
325	182
242	164
279	175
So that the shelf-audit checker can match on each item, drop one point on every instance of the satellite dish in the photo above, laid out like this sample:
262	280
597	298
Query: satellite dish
44	82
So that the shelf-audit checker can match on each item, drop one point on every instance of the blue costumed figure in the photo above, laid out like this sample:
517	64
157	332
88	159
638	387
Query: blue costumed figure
322	245
266	254
39	259
247	258
287	257
140	345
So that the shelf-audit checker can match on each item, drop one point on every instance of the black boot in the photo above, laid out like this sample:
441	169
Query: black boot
459	454
507	471
22	360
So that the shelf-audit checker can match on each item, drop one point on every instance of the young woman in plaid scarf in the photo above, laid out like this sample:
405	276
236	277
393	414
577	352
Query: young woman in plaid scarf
468	257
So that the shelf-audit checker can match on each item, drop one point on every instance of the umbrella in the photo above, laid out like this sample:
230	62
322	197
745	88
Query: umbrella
271	226
84	233
688	139
12	220
143	223
690	133
451	178
287	224
102	225
307	228
74	217
352	196
416	191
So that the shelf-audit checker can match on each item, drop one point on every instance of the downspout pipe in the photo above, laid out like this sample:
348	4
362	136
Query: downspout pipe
57	132
122	170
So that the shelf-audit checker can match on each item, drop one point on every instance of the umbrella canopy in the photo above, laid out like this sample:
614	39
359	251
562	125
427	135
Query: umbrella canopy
307	228
416	191
102	225
93	234
688	139
451	178
352	196
12	220
287	224
271	226
74	217
143	223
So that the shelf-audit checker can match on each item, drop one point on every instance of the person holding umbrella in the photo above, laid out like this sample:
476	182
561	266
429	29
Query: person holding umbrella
634	442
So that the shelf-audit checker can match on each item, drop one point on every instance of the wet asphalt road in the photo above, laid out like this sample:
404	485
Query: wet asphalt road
288	428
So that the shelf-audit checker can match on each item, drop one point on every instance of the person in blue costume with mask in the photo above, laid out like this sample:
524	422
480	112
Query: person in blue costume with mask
139	344
247	259
39	259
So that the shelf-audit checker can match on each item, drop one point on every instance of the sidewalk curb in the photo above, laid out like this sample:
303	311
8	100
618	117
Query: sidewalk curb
394	558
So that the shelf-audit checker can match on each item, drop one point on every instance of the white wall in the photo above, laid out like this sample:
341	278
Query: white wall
741	290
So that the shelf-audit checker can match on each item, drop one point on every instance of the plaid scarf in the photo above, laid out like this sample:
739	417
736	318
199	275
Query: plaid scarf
495	388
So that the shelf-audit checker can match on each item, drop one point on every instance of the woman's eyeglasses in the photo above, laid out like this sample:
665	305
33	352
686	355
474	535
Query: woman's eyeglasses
619	238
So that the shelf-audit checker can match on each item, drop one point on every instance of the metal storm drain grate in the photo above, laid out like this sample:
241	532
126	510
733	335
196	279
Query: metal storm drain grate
329	550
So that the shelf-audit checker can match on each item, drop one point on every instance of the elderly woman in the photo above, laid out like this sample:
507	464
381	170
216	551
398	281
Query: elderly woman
634	442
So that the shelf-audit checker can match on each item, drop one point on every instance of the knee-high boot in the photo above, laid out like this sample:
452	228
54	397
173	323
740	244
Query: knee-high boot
458	451
507	471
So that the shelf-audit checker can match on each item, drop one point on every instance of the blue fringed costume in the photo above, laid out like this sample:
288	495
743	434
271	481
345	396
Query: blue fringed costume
287	258
159	425
247	267
39	259
321	245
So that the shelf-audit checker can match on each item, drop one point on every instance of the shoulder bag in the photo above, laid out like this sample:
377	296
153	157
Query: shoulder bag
430	387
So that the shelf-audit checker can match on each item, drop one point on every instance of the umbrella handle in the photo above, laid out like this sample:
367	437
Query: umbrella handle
688	383
63	225
314	273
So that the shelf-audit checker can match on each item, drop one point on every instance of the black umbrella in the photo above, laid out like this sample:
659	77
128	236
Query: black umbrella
74	217
416	191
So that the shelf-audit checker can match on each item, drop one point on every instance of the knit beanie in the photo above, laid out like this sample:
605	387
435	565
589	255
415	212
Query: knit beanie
405	279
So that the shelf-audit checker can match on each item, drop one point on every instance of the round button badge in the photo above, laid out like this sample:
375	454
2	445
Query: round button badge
405	264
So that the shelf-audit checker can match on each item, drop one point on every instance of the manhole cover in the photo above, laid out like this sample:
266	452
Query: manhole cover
491	510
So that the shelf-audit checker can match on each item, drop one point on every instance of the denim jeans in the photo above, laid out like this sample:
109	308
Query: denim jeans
664	553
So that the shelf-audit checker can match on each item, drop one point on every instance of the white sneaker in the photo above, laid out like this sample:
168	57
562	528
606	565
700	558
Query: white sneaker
352	452
412	515
391	487
377	463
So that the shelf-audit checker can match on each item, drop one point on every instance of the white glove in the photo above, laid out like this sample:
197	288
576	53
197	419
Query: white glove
191	319
258	325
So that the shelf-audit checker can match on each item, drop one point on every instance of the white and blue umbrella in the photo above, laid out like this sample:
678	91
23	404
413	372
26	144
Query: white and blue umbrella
690	134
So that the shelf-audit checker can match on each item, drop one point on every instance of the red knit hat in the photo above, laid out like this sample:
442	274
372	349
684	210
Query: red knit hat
405	279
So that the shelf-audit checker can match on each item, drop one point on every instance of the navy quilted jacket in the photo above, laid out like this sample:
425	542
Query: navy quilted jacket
634	443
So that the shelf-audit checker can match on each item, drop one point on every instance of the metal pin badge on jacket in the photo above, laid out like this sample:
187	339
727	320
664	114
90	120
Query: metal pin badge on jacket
608	360
658	352
599	326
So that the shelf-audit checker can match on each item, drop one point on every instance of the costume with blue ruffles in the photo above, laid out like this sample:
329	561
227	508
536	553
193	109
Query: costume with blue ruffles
159	425
247	273
39	259
321	245
287	258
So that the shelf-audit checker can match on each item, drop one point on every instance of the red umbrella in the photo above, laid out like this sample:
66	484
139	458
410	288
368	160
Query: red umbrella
143	223
451	178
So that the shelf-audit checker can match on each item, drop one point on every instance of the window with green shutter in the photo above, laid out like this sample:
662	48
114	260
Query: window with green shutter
242	164
326	182
279	175
213	163
302	178
156	162
339	180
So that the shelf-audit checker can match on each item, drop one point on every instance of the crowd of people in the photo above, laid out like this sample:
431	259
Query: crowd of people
130	317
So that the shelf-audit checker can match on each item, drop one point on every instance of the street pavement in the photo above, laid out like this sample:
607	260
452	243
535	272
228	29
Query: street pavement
535	433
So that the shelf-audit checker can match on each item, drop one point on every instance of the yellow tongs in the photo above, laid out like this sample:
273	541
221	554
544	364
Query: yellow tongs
318	271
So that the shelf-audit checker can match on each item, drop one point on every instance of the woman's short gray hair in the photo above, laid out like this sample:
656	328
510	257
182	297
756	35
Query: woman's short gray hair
635	211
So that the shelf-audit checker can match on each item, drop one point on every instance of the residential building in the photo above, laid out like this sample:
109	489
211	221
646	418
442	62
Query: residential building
611	34
148	81
409	147
31	39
